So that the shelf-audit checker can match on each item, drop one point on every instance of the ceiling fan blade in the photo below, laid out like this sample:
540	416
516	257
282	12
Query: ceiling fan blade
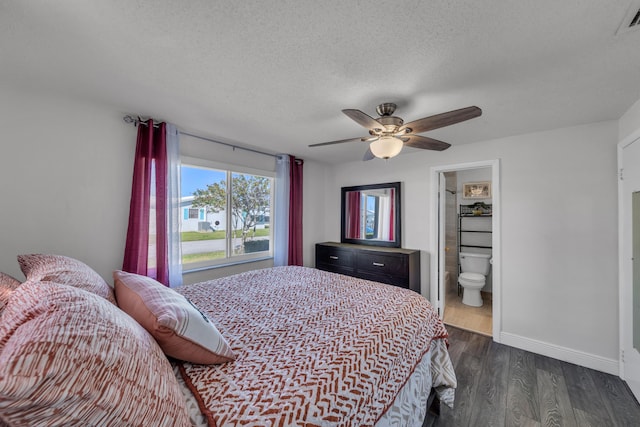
418	141
442	120
340	141
364	120
368	155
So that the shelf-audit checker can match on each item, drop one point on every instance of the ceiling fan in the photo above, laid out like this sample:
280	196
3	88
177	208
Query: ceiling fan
389	133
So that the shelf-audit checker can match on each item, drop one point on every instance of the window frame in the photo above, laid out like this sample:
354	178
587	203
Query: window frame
230	258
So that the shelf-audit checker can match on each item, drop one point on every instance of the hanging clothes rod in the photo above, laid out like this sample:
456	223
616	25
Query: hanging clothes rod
139	121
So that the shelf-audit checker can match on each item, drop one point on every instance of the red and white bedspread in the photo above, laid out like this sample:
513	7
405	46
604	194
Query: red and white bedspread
314	348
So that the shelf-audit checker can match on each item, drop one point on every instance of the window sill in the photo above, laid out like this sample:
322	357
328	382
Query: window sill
228	264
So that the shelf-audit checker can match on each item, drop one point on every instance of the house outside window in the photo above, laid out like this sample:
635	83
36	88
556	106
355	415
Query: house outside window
226	214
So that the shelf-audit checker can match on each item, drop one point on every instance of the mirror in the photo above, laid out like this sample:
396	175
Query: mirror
371	215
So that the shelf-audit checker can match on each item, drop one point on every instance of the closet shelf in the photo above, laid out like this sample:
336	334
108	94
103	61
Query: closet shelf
476	209
474	238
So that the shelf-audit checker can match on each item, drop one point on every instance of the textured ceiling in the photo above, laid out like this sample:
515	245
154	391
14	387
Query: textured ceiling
275	74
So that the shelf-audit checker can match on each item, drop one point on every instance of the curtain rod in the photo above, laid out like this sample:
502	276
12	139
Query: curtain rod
139	121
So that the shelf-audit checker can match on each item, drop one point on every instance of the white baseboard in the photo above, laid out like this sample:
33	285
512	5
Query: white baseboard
599	363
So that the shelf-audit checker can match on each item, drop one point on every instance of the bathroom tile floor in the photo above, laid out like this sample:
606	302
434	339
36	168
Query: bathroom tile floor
474	319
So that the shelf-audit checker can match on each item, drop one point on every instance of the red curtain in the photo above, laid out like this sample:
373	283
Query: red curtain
148	193
295	211
353	215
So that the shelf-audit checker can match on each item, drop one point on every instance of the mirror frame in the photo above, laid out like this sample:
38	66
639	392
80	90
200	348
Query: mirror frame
396	243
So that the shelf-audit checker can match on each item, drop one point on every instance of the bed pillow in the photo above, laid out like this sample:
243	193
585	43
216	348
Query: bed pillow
68	357
65	270
182	330
7	285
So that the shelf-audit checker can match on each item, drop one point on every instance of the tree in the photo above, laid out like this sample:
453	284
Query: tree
250	199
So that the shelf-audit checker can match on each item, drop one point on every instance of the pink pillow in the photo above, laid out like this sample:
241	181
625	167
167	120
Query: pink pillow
182	330
68	357
7	285
65	270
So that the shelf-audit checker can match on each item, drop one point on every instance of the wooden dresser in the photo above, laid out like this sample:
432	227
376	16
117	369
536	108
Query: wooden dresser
394	266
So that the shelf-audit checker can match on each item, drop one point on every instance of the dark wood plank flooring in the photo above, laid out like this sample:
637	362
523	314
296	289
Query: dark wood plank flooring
505	386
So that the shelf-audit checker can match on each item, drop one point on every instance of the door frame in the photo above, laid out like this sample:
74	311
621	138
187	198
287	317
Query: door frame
625	272
437	248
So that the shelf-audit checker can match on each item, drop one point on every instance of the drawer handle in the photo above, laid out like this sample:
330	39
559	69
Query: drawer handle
333	257
378	264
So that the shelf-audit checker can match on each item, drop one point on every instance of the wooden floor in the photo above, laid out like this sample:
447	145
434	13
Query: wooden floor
475	319
504	386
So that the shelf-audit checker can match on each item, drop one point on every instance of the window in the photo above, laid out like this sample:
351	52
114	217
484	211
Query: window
226	215
371	217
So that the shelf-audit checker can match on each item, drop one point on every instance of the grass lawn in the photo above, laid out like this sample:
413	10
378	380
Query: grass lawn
204	256
192	236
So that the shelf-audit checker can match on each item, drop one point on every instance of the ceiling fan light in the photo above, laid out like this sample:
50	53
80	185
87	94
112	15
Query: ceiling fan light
386	147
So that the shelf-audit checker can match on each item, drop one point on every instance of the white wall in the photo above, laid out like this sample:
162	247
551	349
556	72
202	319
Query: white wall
65	180
559	228
314	211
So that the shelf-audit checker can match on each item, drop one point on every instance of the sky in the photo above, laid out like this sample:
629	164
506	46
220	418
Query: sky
192	179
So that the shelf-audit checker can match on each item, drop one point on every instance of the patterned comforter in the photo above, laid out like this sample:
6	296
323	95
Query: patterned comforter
314	348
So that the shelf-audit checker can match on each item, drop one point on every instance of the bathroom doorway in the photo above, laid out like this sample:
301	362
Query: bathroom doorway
467	223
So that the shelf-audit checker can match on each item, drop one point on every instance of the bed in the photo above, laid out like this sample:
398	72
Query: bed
304	347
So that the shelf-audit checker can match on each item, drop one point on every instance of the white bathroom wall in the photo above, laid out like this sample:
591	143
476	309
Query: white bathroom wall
472	175
559	231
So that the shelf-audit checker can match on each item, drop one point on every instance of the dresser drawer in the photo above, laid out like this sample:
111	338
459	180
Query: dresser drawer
382	264
334	259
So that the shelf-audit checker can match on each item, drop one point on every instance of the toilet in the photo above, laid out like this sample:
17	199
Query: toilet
475	268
